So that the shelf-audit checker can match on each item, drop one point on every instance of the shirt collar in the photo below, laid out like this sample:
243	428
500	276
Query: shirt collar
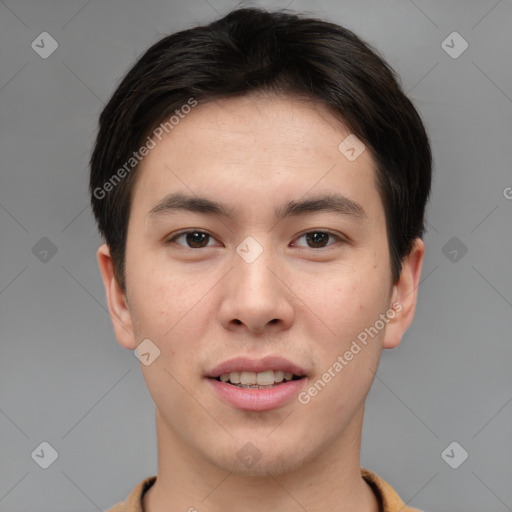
389	501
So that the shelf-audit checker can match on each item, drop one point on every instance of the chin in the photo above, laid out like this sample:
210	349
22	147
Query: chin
252	462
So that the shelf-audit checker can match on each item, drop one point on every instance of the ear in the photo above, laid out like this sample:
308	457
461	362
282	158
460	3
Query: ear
117	302
404	296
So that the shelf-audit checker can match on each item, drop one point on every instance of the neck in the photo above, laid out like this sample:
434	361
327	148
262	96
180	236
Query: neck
331	481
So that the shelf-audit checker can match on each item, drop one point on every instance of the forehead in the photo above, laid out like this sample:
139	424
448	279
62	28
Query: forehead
251	150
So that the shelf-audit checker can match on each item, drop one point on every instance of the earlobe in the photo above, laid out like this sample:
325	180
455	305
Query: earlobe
116	300
404	296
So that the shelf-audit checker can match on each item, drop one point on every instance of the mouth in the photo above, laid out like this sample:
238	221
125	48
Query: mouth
257	385
257	380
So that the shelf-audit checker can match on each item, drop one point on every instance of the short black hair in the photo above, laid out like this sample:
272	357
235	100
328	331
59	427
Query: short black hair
254	50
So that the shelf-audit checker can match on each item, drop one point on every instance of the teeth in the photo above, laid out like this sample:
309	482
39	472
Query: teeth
266	378
247	378
278	376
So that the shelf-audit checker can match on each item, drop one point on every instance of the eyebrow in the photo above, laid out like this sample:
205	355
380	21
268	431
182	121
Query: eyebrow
336	203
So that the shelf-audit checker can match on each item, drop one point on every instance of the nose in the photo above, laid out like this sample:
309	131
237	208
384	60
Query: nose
256	296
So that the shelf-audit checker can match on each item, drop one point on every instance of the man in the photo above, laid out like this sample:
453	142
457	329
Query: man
260	183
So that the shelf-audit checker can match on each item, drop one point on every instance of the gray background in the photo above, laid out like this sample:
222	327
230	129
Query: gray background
65	380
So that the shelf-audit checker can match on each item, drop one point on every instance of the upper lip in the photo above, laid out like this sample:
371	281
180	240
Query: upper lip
245	364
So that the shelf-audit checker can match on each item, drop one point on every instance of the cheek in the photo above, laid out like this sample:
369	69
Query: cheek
162	305
348	357
168	313
158	291
354	300
176	311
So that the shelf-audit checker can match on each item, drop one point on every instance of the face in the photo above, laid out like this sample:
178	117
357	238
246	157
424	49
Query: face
287	273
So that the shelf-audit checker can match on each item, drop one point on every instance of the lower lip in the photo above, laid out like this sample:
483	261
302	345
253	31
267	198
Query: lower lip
257	399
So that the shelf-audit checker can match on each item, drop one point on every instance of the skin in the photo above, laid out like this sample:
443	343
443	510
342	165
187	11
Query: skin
203	304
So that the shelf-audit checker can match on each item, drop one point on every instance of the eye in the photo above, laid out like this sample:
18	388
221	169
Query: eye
195	238
318	239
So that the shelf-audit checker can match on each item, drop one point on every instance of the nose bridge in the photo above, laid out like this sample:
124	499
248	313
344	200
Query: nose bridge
254	296
253	258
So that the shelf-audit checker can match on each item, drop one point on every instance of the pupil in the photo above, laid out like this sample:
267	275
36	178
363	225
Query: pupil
316	238
196	238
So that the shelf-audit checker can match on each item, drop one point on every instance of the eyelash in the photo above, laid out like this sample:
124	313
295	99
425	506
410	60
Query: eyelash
182	233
